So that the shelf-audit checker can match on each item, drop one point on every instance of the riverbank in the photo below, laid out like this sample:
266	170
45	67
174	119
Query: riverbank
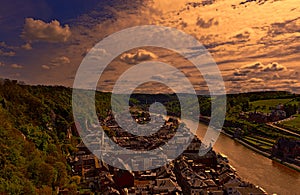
272	176
265	154
249	146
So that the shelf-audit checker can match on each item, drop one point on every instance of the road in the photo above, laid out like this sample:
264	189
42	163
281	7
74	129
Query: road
282	129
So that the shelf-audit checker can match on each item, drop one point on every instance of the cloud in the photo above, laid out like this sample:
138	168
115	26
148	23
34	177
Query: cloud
275	76
4	45
274	67
139	55
257	65
295	75
206	24
234	78
243	34
38	30
258	68
288	26
261	2
60	61
45	67
255	80
258	77
158	77
244	70
7	50
95	53
16	66
7	53
26	46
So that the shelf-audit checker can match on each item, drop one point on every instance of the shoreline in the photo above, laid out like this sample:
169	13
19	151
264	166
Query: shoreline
265	154
250	147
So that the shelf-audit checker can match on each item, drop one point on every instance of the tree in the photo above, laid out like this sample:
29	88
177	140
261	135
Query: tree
61	174
45	190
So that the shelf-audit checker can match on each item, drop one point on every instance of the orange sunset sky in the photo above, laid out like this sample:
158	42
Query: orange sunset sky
255	43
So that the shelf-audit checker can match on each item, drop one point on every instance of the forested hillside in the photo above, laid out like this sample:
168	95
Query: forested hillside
36	125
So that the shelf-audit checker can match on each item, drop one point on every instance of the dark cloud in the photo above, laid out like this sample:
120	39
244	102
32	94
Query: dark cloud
244	34
259	68
206	24
259	2
200	4
107	11
260	77
288	26
245	70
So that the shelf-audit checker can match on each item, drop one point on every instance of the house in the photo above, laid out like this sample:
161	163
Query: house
123	178
277	115
258	117
287	149
235	187
166	185
82	148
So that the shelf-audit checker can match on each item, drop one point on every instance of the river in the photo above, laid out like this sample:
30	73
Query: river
255	168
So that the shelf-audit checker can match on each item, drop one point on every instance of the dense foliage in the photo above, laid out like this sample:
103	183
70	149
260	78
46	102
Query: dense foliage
37	135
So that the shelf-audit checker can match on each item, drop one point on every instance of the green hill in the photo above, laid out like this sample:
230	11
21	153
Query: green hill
34	124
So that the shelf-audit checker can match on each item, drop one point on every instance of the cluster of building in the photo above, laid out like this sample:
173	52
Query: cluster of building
210	174
160	134
163	144
190	173
276	114
287	150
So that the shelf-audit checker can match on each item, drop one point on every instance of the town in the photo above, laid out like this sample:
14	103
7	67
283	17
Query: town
190	173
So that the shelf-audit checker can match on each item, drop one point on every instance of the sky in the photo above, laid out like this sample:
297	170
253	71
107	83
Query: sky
255	43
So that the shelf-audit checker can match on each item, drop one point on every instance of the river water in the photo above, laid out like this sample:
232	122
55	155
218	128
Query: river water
255	168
